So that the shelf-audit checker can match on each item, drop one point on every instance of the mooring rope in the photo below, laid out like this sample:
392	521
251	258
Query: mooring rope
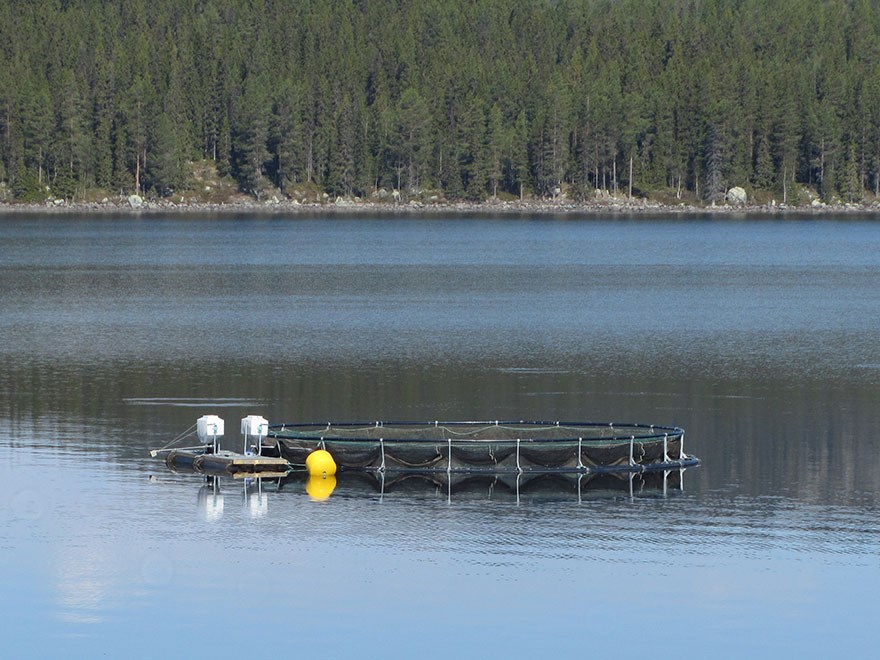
180	437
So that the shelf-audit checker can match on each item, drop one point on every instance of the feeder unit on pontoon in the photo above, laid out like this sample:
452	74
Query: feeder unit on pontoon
254	426
209	428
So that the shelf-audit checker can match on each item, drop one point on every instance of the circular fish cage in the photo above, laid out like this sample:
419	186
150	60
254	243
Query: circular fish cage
486	446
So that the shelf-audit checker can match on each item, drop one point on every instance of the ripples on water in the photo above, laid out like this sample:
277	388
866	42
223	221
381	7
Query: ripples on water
759	337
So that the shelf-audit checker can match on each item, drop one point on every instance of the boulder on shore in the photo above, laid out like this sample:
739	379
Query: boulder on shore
135	201
737	195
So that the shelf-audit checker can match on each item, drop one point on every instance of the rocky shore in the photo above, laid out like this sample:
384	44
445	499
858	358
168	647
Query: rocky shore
275	206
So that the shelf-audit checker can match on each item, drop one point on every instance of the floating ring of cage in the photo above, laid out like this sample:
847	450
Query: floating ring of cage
486	446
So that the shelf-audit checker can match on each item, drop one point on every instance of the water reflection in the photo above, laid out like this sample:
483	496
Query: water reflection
256	492
193	402
83	584
320	487
255	500
517	487
758	337
211	501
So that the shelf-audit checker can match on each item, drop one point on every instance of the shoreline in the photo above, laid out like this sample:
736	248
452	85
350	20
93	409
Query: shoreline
637	207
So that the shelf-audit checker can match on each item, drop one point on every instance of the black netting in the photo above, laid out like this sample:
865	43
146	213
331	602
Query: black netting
483	446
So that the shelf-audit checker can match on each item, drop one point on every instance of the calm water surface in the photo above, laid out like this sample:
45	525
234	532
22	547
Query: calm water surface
760	337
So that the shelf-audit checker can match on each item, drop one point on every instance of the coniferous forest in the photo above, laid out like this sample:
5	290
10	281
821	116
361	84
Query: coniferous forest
470	99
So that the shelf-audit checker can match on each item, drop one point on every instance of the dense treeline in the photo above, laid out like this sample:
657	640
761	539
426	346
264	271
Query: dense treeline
472	98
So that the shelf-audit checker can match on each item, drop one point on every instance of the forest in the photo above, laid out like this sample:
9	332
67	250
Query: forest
467	99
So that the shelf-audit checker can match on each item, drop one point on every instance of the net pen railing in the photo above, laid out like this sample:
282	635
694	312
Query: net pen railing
480	445
475	430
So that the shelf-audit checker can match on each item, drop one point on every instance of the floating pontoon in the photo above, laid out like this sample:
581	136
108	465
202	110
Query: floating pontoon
207	457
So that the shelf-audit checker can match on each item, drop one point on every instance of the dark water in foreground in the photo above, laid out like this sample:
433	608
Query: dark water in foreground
760	337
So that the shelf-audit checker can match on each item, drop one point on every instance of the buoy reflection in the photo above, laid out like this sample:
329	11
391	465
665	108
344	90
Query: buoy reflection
320	487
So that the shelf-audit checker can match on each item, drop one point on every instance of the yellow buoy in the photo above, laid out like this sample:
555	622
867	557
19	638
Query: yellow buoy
319	487
320	464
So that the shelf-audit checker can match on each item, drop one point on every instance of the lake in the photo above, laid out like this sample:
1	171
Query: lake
759	336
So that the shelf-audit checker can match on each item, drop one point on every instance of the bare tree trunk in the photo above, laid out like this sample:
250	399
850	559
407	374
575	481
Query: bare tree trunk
877	179
630	177
784	185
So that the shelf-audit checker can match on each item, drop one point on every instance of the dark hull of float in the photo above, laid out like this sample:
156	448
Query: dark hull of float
225	463
485	447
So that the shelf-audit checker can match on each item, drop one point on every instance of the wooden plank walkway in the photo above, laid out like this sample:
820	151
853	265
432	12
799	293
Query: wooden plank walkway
227	462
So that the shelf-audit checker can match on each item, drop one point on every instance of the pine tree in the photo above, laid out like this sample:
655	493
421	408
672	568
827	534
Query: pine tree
250	136
25	185
519	154
341	171
412	131
471	147
102	120
72	148
285	137
37	119
715	161
495	148
165	170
